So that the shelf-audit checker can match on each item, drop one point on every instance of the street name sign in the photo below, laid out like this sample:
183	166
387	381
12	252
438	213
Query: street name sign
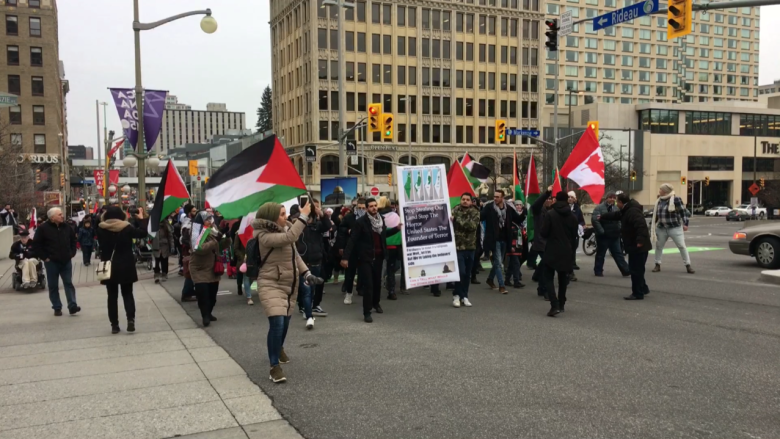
7	100
519	132
626	14
567	24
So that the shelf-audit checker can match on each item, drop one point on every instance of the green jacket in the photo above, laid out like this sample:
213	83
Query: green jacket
465	222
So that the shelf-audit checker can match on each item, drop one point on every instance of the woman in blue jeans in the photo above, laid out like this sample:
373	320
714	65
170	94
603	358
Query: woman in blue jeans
279	275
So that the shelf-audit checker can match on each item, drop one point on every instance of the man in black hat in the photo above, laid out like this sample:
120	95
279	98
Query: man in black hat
21	252
559	230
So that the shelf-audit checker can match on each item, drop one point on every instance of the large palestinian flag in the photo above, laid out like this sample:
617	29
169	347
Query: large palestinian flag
171	194
476	172
458	184
532	194
262	173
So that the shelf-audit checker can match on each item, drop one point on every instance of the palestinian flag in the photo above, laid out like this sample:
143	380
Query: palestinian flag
171	194
262	173
458	184
518	182
202	237
532	194
476	172
245	228
408	185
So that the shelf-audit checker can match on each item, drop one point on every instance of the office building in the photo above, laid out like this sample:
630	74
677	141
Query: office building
772	88
446	69
181	124
634	63
80	152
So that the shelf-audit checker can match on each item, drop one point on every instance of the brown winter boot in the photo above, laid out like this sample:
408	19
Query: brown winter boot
277	374
657	268
690	269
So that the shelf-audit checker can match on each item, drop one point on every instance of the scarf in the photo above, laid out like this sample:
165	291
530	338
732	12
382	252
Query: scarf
376	223
501	215
359	213
670	197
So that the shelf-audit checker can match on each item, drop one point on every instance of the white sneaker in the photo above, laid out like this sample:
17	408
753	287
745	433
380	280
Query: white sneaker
310	323
456	301
249	302
466	302
348	299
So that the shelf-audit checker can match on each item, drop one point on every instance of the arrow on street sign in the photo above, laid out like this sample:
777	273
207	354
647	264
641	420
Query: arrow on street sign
351	148
311	153
628	13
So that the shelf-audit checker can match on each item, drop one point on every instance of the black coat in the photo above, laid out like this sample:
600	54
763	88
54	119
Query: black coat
633	228
538	211
20	250
310	244
361	241
559	229
116	239
55	242
493	233
345	228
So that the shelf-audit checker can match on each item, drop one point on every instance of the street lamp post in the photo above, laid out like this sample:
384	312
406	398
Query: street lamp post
209	25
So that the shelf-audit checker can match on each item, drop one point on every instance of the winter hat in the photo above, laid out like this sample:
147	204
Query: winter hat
269	212
667	188
572	194
561	196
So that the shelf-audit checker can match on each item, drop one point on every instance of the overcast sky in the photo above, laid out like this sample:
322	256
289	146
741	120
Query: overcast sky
231	66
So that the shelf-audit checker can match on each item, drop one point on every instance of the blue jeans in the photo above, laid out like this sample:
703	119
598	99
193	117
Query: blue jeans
465	261
514	269
604	243
498	257
305	292
55	270
243	281
277	332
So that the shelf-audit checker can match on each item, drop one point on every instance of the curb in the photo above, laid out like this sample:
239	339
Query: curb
770	276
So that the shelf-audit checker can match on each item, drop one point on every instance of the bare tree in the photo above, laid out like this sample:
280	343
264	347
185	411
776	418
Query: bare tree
17	180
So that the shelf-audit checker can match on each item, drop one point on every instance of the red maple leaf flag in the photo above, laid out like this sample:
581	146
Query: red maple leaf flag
585	166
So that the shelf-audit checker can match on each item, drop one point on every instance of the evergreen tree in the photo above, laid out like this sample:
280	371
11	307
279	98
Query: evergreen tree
265	120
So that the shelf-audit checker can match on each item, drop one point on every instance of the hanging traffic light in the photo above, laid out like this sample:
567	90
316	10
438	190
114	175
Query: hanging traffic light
679	14
633	175
706	181
500	131
552	35
390	179
387	126
761	182
37	176
374	113
683	181
594	125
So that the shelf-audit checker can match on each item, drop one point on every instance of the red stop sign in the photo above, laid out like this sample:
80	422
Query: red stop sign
375	191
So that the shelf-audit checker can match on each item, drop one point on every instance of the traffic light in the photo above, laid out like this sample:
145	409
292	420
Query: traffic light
633	175
761	181
374	115
679	13
62	180
37	176
552	34
594	125
706	181
683	181
500	131
390	179
387	126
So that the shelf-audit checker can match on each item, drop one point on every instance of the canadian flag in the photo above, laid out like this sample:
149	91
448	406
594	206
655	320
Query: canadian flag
585	166
33	221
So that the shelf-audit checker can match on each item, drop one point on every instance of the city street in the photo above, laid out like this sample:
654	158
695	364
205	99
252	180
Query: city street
697	358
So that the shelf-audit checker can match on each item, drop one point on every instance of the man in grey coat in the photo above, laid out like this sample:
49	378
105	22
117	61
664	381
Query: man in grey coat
607	237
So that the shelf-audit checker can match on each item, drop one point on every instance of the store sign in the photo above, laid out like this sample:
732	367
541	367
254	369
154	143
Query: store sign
382	148
770	148
38	158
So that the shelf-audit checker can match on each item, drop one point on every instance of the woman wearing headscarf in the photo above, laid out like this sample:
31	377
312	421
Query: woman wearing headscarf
206	245
115	237
161	249
279	275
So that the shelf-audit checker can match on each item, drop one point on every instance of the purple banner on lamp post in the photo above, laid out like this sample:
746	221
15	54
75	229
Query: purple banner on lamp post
154	106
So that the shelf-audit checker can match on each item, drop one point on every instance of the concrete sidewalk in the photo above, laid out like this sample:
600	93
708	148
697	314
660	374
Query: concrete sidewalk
68	377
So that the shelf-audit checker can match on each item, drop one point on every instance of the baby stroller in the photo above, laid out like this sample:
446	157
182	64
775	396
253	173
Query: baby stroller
16	278
143	253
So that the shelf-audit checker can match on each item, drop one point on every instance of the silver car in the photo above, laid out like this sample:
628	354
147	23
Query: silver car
762	241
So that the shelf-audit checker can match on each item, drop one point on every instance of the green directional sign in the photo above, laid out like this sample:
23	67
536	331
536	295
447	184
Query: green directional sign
8	100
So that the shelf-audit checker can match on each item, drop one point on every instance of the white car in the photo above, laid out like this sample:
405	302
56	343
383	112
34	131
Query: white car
760	211
718	211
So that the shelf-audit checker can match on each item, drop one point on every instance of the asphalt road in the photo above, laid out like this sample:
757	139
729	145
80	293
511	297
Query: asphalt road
697	359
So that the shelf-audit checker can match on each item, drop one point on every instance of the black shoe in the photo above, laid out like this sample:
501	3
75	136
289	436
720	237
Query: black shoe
625	273
392	296
560	306
240	291
206	322
74	310
189	299
115	329
553	312
572	278
474	281
379	309
436	293
535	279
131	326
518	285
633	297
212	318
367	318
576	267
598	274
58	312
532	267
360	293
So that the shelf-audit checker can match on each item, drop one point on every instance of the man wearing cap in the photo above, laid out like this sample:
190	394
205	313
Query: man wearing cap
607	237
21	252
670	220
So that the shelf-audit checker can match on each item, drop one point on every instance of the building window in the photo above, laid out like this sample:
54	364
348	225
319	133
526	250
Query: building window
12	55
14	84
437	160
660	121
329	164
703	122
759	125
36	56
39	117
383	165
11	25
15	115
762	164
37	85
704	163
33	3
40	143
35	27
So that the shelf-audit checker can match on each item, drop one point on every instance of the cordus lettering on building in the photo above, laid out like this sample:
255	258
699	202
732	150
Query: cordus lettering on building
39	158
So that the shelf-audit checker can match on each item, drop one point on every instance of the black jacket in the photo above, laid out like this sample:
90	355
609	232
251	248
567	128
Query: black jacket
493	233
21	251
310	245
55	242
361	241
537	210
577	211
347	223
633	227
120	245
559	229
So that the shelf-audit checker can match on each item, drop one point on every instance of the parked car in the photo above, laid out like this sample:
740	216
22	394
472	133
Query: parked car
761	242
760	211
718	211
738	215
